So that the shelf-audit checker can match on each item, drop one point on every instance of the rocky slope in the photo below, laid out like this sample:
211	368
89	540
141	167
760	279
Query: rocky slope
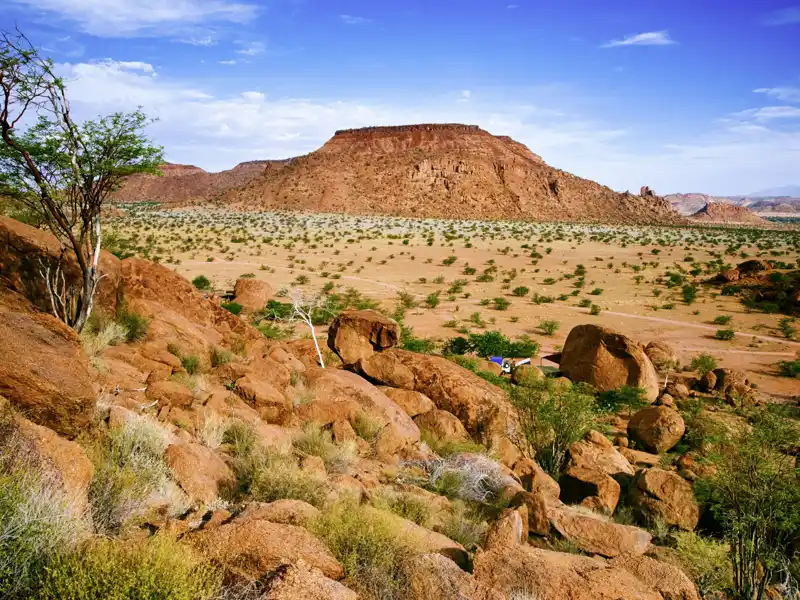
180	185
449	171
720	212
688	204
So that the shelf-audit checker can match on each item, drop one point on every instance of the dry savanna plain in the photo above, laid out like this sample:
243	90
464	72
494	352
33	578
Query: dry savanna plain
450	278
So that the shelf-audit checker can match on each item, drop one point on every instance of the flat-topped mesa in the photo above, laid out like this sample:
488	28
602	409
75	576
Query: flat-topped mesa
427	127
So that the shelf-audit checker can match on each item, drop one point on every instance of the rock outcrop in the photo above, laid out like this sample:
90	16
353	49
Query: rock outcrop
657	428
665	495
357	334
723	212
607	360
252	294
447	170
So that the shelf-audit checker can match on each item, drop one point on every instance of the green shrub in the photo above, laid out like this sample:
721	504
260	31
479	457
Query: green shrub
706	561
367	543
408	341
553	417
432	300
154	569
501	303
520	291
316	441
201	282
703	363
585	303
191	364
789	368
725	334
613	401
134	323
596	292
492	343
594	310
409	506
689	292
549	327
232	307
277	476
722	319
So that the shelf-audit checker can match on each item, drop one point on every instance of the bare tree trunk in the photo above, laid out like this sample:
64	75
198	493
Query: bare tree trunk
316	344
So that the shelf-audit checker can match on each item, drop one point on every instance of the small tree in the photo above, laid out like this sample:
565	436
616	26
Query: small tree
304	307
63	170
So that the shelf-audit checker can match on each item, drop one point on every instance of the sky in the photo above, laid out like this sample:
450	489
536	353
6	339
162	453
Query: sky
681	95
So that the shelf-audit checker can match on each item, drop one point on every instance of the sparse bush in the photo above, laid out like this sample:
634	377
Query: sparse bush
596	292
789	368
191	364
703	363
153	569
501	303
232	307
613	401
201	282
134	323
725	334
465	525
367	427
469	477
553	417
100	332
366	542
277	476
520	291
722	319
549	327
446	446
409	506
318	442
595	310
220	356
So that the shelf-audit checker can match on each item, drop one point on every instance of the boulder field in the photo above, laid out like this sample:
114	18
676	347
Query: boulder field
199	370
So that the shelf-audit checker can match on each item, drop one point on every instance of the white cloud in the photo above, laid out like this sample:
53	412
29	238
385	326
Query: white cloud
199	41
353	20
216	131
465	96
766	113
252	48
785	16
227	62
787	94
512	6
126	18
650	38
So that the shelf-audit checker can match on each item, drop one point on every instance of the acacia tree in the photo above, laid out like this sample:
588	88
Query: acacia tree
64	170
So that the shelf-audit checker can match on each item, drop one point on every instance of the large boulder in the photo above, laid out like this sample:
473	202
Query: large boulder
607	360
529	572
44	373
299	581
436	576
734	385
199	471
413	403
23	251
657	428
598	535
482	408
253	548
272	405
342	395
443	425
662	355
252	294
357	334
286	512
665	495
62	461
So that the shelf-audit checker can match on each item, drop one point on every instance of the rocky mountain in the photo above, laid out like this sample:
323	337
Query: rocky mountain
777	192
688	204
186	184
445	170
723	212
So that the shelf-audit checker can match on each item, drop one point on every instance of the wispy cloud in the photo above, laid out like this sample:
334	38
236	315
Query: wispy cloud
650	38
785	16
124	18
354	20
199	41
252	48
227	62
512	6
464	96
766	113
787	94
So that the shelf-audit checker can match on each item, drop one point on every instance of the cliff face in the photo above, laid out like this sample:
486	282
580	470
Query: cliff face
180	185
449	171
721	212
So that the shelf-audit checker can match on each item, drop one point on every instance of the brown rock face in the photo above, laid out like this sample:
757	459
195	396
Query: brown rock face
44	372
252	294
436	576
286	512
662	355
198	470
593	489
450	170
357	334
482	408
410	401
181	185
666	495
607	360
658	428
299	581
597	535
442	424
252	548
722	212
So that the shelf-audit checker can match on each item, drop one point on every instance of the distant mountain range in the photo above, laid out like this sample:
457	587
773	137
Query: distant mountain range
764	203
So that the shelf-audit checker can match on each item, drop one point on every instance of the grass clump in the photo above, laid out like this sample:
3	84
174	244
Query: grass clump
367	427
135	324
129	468
465	525
316	441
154	569
369	546
445	447
409	506
549	327
100	332
220	356
551	418
191	364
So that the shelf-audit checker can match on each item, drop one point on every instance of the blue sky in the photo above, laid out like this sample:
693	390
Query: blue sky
700	95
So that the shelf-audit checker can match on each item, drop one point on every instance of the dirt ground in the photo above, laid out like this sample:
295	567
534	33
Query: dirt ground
368	253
